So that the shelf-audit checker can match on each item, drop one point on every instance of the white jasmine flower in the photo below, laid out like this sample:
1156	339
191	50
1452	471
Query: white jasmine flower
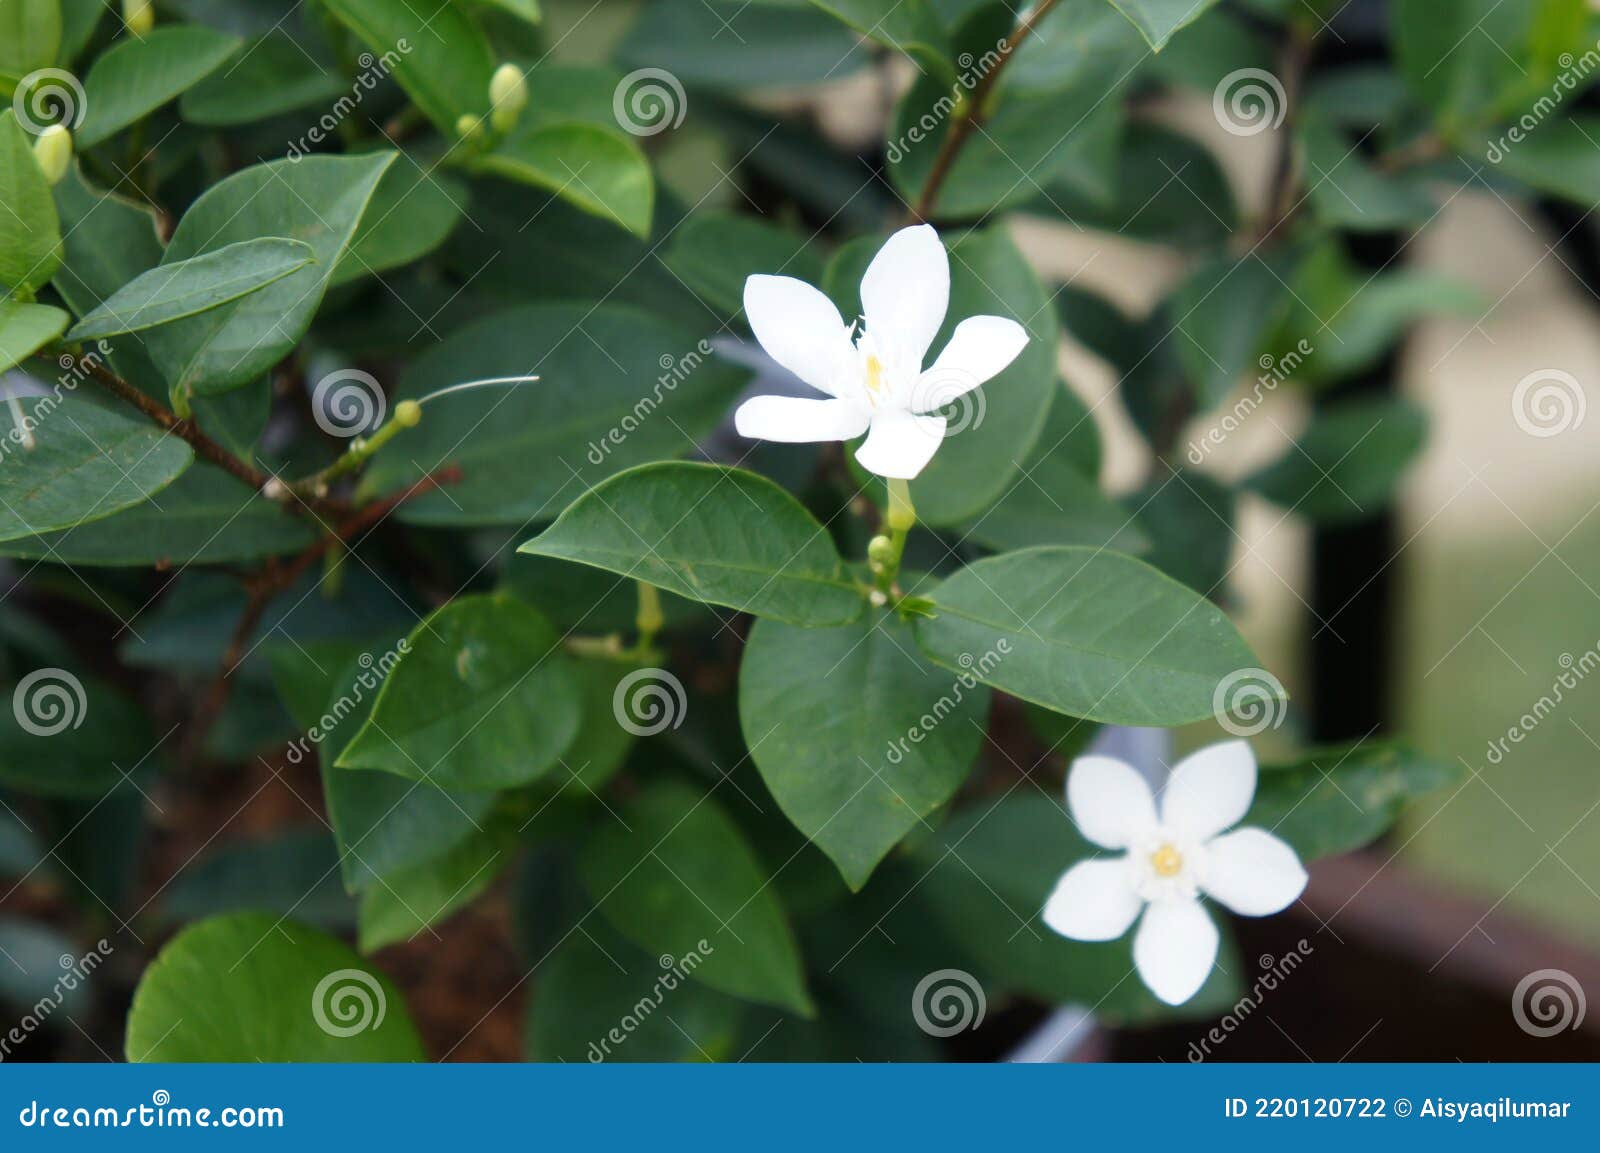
875	380
1171	859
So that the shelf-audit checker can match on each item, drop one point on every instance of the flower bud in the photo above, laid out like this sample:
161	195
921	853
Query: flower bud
52	148
139	16
469	127
880	551
508	96
407	414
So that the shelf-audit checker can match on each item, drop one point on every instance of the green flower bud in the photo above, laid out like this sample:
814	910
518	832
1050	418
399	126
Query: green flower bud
139	16
880	551
53	150
508	96
408	414
469	127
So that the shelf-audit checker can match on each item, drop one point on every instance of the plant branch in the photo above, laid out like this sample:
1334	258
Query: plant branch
972	110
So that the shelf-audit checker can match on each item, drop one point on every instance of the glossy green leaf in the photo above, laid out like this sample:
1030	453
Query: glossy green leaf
482	699
1157	20
1347	192
318	200
30	232
1559	157
205	516
187	287
718	535
715	253
411	900
601	171
602	742
1091	634
30	35
856	732
909	26
1347	464
412	212
616	388
267	77
1189	518
1224	310
69	736
985	876
139	74
771	45
290	874
598	998
1000	422
439	55
1338	799
26	328
253	987
91	457
679	879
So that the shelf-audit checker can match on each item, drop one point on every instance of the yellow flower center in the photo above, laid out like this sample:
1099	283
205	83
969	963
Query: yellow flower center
1166	861
874	375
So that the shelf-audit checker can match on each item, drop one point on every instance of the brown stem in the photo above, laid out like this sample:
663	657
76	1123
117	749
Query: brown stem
1281	202
962	127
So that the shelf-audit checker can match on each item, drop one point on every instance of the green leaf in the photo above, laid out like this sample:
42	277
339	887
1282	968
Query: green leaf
524	10
30	36
602	743
1559	157
80	19
205	516
679	879
908	26
412	212
1189	518
269	76
439	56
482	699
253	987
411	900
89	460
1000	421
1157	20
1224	310
292	873
1089	633
856	733
1054	501
1347	192
187	287
1335	800
718	535
771	45
68	736
318	200
616	388
985	876
30	233
26	328
600	171
714	253
139	74
598	998
1347	464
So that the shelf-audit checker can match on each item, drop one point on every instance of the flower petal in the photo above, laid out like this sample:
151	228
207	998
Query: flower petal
1210	790
798	419
1174	949
906	293
1253	873
900	444
979	349
1093	901
801	329
1109	801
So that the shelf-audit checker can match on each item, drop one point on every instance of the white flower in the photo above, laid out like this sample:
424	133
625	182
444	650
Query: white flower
875	383
1171	859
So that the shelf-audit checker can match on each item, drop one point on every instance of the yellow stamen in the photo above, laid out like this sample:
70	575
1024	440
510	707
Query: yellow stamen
1166	861
874	375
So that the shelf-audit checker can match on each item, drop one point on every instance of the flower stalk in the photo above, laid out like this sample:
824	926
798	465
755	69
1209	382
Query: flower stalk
885	552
